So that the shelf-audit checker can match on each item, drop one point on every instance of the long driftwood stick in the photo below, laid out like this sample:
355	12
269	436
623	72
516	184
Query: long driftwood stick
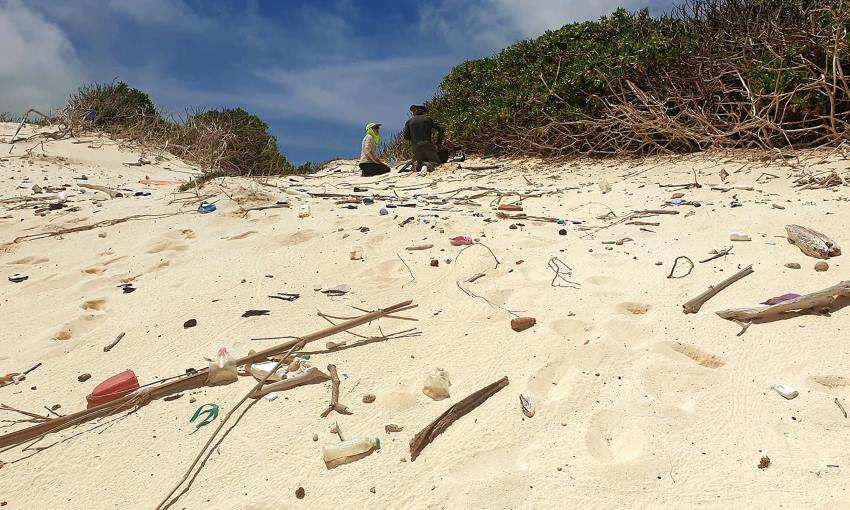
311	376
424	437
335	405
111	192
814	301
196	380
696	303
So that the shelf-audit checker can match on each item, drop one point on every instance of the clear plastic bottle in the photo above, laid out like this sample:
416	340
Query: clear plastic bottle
223	369
437	385
349	448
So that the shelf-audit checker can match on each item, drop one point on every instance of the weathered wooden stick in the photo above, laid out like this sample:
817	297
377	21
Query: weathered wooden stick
696	303
193	381
424	437
114	343
334	405
816	300
656	211
111	192
811	242
311	376
721	253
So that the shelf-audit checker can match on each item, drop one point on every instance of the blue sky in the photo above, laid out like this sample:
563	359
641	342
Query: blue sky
315	71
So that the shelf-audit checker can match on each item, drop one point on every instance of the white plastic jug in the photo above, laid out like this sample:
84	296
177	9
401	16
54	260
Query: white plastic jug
349	448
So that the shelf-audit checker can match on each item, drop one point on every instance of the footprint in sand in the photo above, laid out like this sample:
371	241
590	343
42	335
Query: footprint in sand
243	235
553	381
397	401
611	439
832	383
30	261
573	329
633	308
165	245
79	326
94	304
703	358
299	237
602	281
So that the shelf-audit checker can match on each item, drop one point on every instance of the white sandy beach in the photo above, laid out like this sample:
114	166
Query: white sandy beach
637	404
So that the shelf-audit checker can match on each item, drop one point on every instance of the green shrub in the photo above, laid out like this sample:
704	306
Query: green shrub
735	73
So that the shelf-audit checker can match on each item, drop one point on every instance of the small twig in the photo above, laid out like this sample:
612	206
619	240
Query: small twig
675	262
844	411
114	343
412	278
558	266
334	405
721	253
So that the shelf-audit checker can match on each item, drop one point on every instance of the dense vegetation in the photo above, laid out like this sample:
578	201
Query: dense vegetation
714	73
221	142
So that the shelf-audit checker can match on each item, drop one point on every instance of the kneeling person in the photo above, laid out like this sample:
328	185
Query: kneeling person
370	164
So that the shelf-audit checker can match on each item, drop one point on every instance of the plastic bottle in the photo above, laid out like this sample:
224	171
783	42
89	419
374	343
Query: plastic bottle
350	448
223	369
786	391
437	385
739	236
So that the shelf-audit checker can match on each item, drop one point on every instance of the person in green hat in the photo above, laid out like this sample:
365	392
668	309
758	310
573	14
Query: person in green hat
370	164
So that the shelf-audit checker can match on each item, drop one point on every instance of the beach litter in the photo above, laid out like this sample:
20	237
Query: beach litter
461	241
339	290
209	413
522	323
786	391
437	385
114	388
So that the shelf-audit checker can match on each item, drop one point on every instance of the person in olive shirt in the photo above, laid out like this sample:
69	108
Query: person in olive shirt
418	130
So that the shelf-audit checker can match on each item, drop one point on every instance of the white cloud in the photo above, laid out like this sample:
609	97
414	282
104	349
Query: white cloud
356	92
486	26
39	67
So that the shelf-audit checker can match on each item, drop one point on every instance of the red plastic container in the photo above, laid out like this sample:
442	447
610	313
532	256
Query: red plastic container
113	388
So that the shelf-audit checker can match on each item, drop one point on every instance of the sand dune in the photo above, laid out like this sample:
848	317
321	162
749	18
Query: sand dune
638	405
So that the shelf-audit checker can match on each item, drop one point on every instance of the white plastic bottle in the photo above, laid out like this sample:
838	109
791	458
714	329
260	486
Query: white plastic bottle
739	236
349	448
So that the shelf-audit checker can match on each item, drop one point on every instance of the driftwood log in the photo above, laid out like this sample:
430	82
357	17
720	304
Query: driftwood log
816	301
811	242
424	437
696	303
196	380
97	187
